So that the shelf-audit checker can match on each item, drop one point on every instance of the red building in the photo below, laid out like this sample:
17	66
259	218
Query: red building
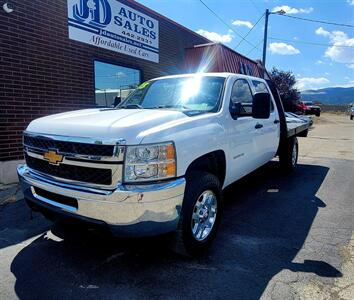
215	57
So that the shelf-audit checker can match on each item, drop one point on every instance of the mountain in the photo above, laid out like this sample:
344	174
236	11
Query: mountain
332	95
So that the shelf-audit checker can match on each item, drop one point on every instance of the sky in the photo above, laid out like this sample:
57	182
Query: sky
315	66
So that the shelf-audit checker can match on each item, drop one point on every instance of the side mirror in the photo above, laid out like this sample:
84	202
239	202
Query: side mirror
261	106
235	109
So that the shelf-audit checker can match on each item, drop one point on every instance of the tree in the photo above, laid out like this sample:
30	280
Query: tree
285	82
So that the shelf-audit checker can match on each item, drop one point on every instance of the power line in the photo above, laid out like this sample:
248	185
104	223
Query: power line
316	21
310	43
249	52
256	6
225	23
261	17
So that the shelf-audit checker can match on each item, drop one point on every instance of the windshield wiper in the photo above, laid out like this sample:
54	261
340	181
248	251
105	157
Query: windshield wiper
168	106
192	112
131	106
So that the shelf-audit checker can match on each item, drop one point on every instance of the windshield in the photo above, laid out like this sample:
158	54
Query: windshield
190	93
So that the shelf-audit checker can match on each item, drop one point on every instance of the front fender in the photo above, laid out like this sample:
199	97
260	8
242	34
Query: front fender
193	138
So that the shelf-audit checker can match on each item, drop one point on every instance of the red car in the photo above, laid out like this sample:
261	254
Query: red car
309	108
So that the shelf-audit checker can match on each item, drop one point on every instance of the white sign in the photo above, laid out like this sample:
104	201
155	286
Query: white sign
114	26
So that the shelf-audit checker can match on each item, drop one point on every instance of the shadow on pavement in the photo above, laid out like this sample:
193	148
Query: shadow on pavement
15	224
267	218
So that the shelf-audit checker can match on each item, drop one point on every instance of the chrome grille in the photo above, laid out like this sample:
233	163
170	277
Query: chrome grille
85	161
71	172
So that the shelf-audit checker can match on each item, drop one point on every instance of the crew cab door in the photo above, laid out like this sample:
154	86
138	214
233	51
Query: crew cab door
268	134
241	132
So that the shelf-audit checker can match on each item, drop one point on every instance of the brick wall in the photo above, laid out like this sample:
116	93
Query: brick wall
43	72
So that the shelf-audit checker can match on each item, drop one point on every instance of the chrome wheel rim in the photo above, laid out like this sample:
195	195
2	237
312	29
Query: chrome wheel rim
294	155
204	215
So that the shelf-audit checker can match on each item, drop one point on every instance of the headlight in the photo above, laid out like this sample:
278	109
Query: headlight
150	162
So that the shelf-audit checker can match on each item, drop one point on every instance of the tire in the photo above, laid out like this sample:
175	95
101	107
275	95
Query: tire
289	154
351	117
200	185
49	216
304	133
318	114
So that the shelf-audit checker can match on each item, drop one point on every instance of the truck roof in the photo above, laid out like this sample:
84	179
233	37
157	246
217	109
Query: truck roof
218	74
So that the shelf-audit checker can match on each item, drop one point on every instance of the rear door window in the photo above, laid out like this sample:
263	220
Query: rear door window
260	87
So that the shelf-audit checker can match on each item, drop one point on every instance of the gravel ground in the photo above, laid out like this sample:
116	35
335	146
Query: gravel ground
282	237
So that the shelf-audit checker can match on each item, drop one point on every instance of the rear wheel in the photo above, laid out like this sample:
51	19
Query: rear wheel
318	114
304	133
351	117
289	154
200	215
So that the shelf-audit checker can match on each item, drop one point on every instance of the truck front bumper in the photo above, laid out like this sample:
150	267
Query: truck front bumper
129	210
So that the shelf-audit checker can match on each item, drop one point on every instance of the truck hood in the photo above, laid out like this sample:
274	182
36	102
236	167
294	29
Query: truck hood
128	124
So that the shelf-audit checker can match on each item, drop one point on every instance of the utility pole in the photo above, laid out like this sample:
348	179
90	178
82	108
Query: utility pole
265	38
267	13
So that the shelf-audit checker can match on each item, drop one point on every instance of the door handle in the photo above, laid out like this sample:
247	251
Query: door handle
276	121
258	126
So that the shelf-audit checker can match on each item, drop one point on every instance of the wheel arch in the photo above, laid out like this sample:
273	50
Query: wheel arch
213	162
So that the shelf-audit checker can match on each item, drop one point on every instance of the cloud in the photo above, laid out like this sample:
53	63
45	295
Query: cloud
311	82
319	62
292	10
216	37
120	74
350	2
242	23
321	31
350	83
350	66
283	49
342	50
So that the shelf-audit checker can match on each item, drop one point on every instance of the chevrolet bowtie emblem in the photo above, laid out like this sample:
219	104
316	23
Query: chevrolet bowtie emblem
53	157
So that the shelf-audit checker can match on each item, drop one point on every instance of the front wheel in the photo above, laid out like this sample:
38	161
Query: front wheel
201	214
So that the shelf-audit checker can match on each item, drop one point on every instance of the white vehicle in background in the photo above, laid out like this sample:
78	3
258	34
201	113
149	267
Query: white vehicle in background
292	118
158	162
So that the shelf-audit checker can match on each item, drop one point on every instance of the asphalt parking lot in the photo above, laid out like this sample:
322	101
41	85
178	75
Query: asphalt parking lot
282	237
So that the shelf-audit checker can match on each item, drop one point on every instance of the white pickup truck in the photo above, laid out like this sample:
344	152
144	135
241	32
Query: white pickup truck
158	161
